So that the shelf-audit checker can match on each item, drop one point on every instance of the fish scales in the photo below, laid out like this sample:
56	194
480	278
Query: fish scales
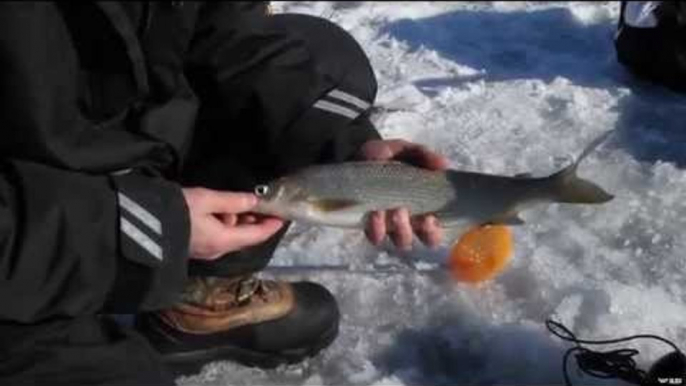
380	185
342	194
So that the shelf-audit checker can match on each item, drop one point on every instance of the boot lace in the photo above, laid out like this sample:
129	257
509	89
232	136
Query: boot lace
250	286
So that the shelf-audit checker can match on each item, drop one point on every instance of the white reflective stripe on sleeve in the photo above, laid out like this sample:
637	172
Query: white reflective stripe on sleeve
352	99
639	14
141	238
336	109
122	172
140	213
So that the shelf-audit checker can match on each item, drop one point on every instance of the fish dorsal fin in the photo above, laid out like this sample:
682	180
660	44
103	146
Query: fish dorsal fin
332	204
523	175
571	169
593	145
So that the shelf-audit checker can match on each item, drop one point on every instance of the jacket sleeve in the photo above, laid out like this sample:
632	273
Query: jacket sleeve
74	240
72	243
242	63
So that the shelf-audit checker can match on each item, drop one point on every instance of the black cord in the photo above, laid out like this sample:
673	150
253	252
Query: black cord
609	364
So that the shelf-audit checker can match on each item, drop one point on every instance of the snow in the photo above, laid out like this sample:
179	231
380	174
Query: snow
502	87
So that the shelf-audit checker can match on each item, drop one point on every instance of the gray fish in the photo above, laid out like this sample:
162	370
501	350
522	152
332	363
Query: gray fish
341	195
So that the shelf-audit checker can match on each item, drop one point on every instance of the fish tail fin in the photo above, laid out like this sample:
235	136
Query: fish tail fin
568	187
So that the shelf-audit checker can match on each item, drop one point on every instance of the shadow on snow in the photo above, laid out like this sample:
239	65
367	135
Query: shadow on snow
546	44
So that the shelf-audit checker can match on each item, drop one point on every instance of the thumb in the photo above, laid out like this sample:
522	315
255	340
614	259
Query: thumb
227	202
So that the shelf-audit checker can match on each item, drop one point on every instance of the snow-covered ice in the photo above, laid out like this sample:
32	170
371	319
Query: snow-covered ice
502	87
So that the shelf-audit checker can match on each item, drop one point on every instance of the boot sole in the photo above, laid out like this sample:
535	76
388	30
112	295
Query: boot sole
192	362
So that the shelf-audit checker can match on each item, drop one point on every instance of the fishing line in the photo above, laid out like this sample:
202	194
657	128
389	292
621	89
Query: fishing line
615	363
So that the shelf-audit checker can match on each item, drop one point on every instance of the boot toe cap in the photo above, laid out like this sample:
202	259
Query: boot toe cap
311	325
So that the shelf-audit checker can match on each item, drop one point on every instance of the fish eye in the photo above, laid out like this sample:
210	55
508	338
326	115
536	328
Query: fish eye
261	190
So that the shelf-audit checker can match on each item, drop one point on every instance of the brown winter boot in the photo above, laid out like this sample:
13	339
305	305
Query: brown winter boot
261	323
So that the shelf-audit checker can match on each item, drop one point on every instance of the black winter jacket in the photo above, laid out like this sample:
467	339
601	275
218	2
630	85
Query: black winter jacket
97	111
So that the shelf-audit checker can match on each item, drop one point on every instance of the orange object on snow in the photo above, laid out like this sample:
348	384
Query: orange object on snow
481	254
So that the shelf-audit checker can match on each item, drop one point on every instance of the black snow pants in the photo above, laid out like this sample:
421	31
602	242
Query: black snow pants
99	349
655	51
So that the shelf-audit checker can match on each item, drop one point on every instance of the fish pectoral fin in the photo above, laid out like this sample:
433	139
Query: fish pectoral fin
453	231
332	204
452	235
510	219
452	227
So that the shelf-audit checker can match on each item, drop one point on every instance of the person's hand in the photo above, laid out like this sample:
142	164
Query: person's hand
398	223
220	224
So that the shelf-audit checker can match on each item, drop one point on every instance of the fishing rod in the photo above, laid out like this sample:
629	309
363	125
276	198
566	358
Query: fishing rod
353	269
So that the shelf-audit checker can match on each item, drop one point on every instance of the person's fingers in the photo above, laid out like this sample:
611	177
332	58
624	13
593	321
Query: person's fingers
228	219
419	229
434	232
413	153
376	227
400	229
242	236
378	151
395	146
428	230
217	201
234	202
421	156
246	219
